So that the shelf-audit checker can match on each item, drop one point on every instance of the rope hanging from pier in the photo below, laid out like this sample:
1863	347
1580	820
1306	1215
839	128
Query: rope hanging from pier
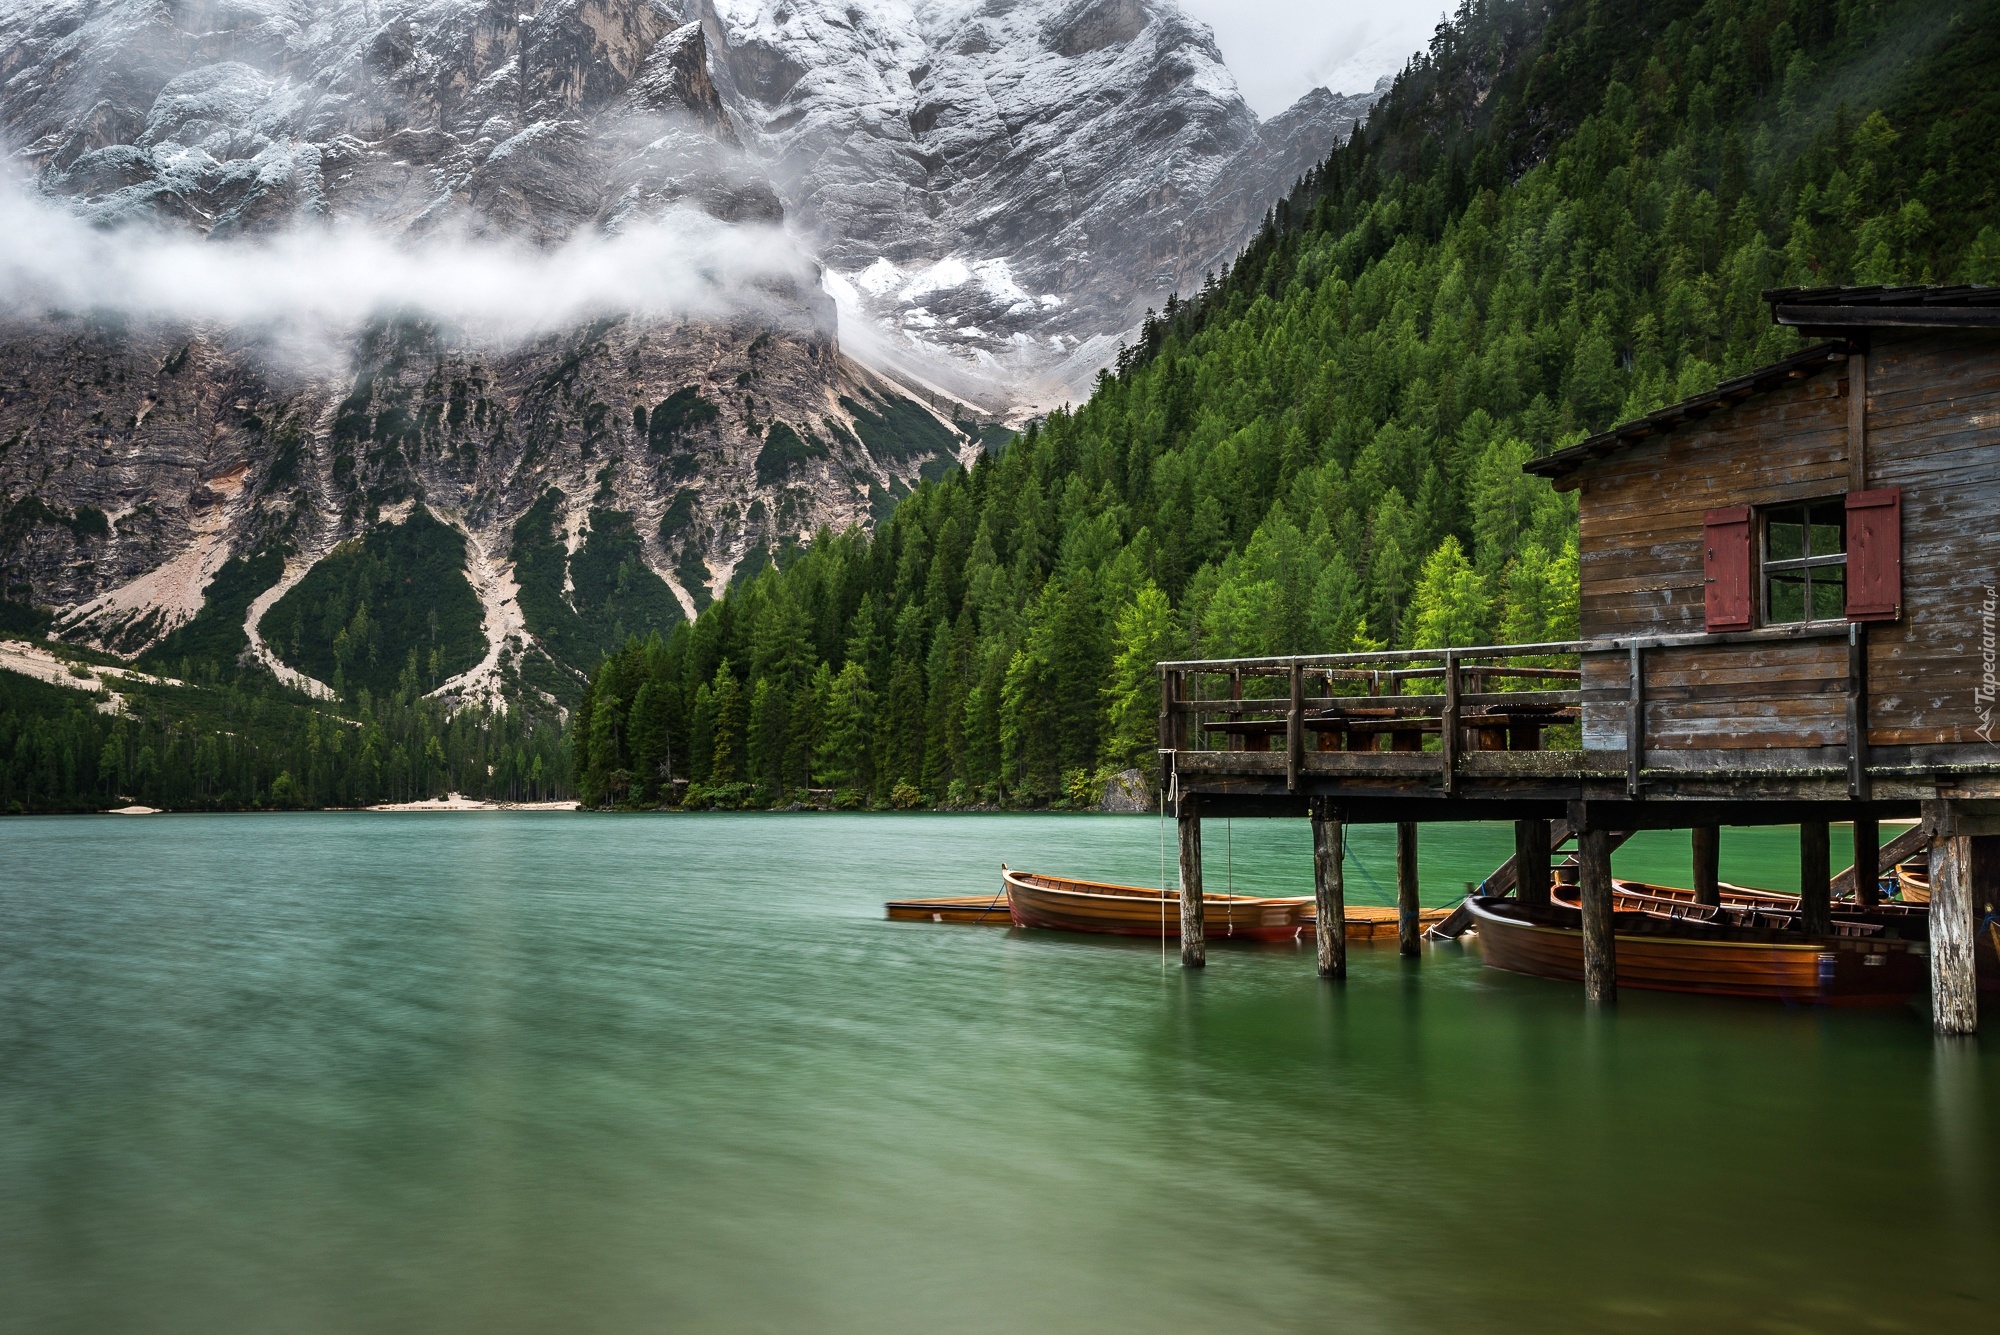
1347	851
1163	881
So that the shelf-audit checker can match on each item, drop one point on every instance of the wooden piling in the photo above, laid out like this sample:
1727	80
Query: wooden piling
1815	879
1707	842
1867	868
1531	863
1600	946
1408	937
1954	982
1329	890
1194	941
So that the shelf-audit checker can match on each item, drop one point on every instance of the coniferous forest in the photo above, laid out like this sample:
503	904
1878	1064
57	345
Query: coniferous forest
1563	215
228	742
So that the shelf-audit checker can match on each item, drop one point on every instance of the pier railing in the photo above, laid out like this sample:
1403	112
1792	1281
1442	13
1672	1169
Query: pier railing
1438	703
1436	714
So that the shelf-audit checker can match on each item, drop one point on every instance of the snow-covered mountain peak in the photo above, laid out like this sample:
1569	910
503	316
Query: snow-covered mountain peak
1038	172
1096	152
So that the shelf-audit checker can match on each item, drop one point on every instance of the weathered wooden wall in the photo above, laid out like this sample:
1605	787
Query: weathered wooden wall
1933	429
1642	574
1745	696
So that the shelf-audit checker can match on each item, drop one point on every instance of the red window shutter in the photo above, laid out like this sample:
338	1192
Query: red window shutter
1875	555
1725	538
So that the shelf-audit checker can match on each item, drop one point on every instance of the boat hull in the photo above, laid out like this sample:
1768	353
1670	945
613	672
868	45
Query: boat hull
1374	922
1831	971
972	910
1912	886
1058	904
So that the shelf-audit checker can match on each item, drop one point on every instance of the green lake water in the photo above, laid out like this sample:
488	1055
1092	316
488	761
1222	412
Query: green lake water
548	1072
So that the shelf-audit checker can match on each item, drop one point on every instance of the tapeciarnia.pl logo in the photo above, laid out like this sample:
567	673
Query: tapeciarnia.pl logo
1989	681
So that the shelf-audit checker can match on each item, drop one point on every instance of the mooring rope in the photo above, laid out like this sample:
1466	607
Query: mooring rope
1347	850
1163	880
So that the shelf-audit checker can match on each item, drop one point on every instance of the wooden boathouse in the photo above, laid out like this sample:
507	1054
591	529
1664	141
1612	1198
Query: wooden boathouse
1789	594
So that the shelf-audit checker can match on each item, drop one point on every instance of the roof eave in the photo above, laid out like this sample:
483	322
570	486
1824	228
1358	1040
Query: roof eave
1558	466
1836	320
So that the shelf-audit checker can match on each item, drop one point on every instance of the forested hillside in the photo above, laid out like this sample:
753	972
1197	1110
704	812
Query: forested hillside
1562	216
229	742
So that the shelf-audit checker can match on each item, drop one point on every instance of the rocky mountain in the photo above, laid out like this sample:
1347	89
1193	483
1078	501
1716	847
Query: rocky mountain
991	191
1000	190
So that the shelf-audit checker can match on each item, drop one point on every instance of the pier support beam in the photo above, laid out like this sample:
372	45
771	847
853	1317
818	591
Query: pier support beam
1815	878
1329	890
1408	938
1194	937
1600	946
1867	861
1954	980
1707	842
1531	863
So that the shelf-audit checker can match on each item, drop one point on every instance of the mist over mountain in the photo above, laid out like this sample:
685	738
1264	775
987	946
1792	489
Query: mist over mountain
588	309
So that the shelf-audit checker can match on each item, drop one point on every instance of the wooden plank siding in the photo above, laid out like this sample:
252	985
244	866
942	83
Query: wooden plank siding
1698	698
1932	430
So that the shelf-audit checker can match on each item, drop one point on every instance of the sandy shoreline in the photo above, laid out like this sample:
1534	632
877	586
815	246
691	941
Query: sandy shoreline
458	803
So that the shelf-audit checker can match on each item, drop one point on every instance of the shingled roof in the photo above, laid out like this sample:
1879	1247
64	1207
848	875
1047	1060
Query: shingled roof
1834	310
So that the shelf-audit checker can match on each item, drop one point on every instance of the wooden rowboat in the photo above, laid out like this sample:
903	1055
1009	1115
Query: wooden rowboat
1913	882
1067	904
1765	909
1740	895
975	910
1668	956
1374	922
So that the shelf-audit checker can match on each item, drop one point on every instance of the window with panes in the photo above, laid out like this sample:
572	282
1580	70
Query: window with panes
1805	562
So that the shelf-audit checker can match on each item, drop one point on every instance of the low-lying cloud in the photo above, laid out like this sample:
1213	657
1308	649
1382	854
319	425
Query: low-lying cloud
305	290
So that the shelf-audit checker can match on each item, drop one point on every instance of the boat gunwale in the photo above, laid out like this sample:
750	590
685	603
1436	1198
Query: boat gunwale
1137	893
1817	945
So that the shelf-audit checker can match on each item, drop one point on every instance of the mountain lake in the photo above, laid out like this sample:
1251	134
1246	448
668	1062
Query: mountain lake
546	1071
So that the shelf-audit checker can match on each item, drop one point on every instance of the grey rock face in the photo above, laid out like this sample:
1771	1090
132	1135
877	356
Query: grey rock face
240	117
1000	188
195	442
154	454
997	190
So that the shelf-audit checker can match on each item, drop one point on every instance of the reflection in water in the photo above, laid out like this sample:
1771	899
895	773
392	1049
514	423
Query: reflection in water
1959	1091
497	1073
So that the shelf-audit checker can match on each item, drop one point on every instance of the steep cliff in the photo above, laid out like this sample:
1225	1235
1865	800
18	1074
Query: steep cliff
996	192
1000	190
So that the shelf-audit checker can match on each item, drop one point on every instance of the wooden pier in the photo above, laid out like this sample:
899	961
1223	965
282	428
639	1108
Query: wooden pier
1789	596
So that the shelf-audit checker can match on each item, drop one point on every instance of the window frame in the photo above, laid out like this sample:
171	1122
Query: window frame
1803	564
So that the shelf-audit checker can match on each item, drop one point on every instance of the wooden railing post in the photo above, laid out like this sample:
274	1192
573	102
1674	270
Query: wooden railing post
1169	741
1295	730
1236	740
1449	724
1858	786
1635	724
